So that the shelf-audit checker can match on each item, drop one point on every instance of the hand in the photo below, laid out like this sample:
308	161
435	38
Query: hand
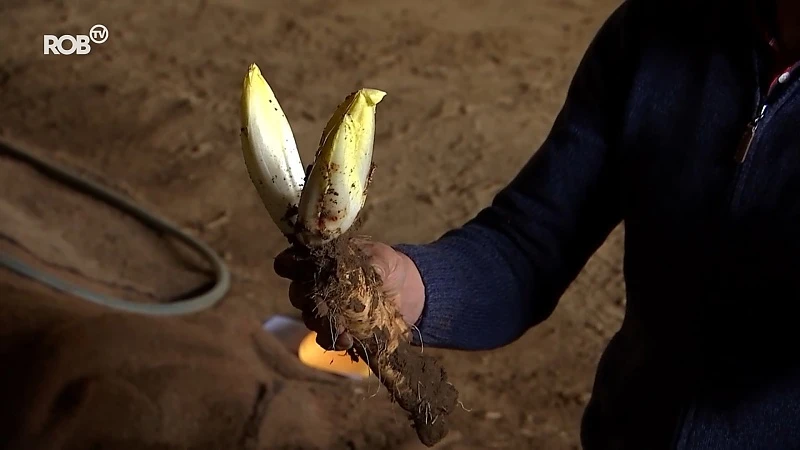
402	284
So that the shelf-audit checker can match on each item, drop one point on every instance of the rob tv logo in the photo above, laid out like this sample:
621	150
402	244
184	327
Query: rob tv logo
79	44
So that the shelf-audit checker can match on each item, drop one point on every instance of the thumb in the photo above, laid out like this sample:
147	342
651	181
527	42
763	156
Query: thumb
402	281
386	262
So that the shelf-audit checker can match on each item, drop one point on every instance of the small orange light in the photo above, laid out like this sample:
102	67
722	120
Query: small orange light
312	355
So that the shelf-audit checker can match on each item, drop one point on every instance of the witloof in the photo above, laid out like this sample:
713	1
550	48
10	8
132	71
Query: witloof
315	210
324	206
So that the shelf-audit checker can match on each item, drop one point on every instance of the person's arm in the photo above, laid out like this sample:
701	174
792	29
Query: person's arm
504	271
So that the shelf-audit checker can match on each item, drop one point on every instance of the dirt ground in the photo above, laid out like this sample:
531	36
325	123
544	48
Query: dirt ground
473	87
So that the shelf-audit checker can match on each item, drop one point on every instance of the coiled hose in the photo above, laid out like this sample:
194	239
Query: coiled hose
190	305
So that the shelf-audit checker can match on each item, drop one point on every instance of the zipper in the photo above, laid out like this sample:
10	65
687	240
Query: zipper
746	140
744	147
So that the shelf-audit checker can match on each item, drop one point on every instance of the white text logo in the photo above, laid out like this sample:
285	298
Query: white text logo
80	44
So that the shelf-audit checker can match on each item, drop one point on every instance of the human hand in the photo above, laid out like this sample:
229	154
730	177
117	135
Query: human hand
402	283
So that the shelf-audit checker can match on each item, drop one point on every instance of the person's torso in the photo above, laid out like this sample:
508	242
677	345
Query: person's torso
712	237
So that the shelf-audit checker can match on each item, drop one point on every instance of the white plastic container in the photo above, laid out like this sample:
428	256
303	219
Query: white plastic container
293	333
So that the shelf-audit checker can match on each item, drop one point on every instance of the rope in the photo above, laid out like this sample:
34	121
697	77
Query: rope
190	305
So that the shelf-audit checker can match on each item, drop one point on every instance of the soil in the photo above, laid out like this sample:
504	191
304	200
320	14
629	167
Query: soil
473	88
350	297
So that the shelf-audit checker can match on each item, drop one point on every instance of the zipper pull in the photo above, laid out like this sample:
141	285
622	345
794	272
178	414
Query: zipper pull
747	138
745	142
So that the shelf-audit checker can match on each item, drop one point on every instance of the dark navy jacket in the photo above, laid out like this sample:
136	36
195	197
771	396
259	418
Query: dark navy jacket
656	133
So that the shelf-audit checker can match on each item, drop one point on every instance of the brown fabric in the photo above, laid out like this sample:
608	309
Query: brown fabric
76	378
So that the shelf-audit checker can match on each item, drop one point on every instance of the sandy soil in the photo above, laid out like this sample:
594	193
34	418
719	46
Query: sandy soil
473	88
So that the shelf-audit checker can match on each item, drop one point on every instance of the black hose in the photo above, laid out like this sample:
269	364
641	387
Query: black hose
63	175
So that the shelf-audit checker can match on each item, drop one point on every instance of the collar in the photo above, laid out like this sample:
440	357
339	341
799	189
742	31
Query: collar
763	13
779	65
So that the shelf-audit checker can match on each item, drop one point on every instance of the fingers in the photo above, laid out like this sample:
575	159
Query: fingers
343	341
301	296
383	258
294	264
327	338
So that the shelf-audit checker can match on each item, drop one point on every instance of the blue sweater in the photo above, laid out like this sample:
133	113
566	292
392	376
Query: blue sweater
665	128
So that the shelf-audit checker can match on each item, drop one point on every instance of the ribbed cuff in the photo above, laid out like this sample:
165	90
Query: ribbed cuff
436	322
